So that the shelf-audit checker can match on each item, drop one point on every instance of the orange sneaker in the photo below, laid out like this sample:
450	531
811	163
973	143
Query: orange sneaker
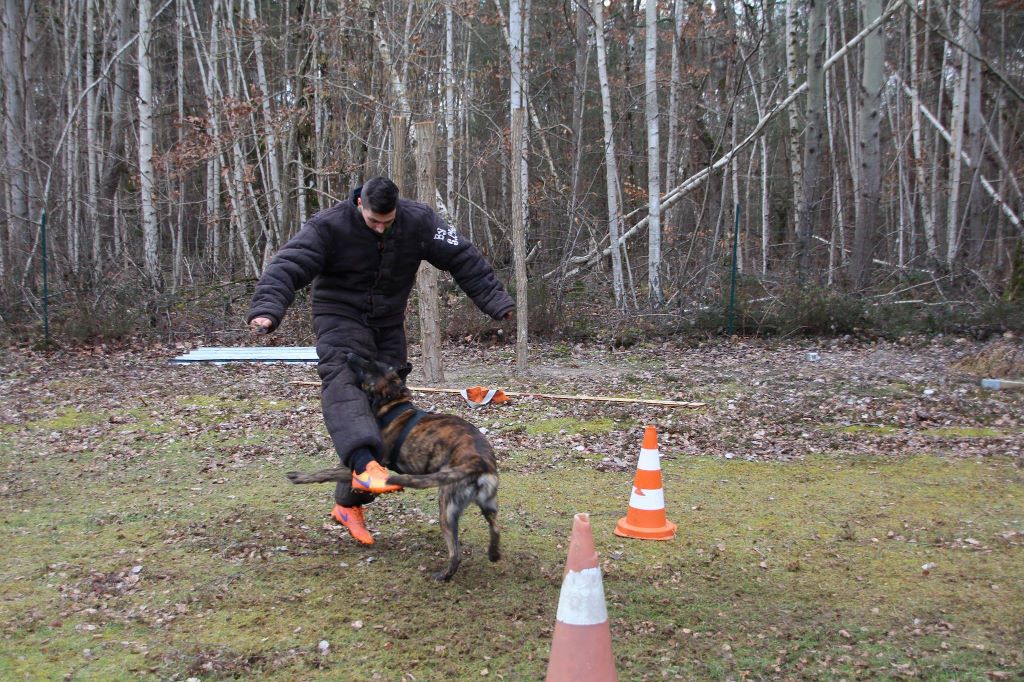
352	518
373	480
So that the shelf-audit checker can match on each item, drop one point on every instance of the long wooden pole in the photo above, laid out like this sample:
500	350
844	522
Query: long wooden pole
549	396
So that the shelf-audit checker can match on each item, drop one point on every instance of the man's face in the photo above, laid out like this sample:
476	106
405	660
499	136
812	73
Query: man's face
378	222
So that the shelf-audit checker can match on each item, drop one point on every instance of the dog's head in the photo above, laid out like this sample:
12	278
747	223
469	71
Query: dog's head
383	383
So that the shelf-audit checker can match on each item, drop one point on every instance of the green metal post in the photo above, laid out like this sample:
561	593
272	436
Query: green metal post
732	285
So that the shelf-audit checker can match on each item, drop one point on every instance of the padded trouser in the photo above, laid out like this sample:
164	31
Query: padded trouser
346	409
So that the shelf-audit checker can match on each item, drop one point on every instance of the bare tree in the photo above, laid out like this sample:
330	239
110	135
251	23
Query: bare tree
579	95
147	174
449	104
975	125
115	162
426	278
925	202
673	150
15	131
271	227
870	165
961	66
611	166
653	156
517	169
814	137
792	78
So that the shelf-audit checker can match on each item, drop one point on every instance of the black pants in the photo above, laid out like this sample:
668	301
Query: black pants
346	409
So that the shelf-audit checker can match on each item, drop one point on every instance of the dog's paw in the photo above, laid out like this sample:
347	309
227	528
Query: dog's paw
442	576
295	476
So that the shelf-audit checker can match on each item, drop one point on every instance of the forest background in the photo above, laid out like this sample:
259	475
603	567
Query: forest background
857	162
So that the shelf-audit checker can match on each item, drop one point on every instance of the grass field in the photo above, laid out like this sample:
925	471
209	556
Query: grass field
149	533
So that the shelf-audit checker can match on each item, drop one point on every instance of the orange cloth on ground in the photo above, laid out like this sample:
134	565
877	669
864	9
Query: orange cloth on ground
478	395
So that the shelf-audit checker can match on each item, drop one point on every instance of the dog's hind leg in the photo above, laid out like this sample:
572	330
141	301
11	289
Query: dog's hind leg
487	500
452	500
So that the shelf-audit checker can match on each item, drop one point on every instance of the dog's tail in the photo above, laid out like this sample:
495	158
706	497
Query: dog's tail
432	480
436	479
322	476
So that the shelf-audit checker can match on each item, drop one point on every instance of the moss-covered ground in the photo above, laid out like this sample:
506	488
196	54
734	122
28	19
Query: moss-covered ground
148	532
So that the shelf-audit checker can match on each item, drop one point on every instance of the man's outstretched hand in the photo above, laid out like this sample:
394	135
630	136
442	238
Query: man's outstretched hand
260	325
507	316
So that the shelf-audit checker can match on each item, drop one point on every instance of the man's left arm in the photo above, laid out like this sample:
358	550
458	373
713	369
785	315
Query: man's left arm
450	251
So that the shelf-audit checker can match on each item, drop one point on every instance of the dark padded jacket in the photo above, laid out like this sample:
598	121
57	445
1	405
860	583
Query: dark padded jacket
365	276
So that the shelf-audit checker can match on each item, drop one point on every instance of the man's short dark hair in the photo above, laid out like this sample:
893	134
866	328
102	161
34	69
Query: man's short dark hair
380	195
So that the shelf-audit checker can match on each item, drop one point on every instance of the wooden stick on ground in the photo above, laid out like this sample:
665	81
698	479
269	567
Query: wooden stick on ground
550	396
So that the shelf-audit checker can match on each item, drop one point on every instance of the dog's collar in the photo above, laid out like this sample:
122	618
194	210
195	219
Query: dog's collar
392	414
389	417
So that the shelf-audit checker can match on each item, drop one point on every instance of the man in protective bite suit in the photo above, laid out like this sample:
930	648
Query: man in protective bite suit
362	256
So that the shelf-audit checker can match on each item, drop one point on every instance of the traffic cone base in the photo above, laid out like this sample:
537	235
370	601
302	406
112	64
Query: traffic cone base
626	529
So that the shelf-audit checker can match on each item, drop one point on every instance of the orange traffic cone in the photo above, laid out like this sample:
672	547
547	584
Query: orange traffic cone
478	395
581	649
645	518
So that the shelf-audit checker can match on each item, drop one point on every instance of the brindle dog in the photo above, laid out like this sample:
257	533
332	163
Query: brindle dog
427	450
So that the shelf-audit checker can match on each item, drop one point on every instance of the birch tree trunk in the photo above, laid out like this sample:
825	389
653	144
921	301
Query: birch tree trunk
147	178
15	131
851	130
653	156
611	167
837	238
524	6
115	164
517	162
759	91
214	163
579	95
925	201
179	228
792	78
810	201
92	141
72	45
239	189
674	90
524	86
272	232
519	246
869	187
975	127
449	106
956	130
426	279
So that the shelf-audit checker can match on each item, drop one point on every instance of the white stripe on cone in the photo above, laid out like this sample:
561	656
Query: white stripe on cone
649	461
581	601
648	500
487	398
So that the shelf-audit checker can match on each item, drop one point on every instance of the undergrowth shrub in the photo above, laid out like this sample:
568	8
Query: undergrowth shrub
818	311
119	307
